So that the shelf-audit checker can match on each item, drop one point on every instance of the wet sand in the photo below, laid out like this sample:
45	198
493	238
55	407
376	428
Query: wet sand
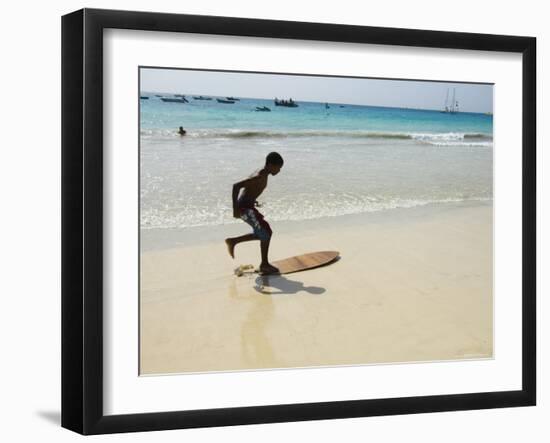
411	285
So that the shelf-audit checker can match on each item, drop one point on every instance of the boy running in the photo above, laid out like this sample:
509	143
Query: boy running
244	207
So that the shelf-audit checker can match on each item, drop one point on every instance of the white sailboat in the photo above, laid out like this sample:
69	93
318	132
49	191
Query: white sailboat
451	108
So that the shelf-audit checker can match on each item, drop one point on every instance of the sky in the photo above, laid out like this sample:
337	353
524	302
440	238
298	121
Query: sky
345	90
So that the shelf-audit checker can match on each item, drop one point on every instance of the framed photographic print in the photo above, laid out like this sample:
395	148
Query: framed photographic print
269	221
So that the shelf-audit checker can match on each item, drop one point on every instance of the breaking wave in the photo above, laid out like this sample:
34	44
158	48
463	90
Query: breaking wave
477	139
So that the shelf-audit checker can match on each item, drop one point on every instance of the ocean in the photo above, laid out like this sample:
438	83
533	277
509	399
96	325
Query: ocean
341	159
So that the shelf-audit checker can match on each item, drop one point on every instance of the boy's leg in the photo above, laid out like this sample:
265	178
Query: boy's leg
265	266
264	248
232	242
262	232
265	239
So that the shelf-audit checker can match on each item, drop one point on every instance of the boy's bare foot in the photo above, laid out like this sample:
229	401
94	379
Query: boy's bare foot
230	247
266	268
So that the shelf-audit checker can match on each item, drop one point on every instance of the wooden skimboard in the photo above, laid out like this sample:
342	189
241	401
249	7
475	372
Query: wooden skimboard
298	263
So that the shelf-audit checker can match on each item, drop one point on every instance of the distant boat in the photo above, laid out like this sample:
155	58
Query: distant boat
221	100
232	98
200	97
288	103
452	106
327	106
182	97
174	100
158	95
342	106
143	97
263	109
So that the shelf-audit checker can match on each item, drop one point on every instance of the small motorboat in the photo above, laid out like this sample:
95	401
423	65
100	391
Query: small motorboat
144	97
287	103
221	100
232	99
262	109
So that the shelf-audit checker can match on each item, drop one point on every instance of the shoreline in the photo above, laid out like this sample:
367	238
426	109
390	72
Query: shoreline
172	238
410	287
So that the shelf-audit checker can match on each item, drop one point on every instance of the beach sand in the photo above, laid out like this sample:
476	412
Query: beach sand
411	285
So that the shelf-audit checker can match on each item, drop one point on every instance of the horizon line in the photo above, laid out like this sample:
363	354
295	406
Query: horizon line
323	102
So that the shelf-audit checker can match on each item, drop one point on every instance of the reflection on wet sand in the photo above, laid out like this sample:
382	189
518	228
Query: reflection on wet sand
256	346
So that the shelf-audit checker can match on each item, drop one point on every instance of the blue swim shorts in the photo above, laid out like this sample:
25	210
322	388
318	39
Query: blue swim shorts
254	218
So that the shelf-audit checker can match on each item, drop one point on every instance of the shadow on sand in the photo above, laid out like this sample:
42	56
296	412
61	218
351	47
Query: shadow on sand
283	285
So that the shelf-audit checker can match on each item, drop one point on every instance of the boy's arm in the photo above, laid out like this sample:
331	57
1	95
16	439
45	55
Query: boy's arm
235	194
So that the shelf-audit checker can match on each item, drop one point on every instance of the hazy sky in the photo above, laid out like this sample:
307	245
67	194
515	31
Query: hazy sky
363	91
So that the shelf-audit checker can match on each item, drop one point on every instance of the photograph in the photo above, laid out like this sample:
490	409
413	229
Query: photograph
293	221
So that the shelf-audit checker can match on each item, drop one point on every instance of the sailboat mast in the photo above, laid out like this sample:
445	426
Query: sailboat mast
447	101
453	104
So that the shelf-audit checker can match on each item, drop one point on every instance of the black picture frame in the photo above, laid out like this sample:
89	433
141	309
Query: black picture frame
82	218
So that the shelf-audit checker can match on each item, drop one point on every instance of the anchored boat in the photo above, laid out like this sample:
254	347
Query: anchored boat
174	100
287	103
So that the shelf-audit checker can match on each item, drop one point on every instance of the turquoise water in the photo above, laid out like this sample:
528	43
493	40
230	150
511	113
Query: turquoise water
339	160
202	114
